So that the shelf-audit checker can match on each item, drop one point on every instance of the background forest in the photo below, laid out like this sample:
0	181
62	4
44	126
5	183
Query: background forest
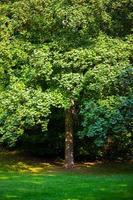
66	78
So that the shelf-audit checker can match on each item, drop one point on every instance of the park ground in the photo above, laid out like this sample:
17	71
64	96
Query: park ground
23	177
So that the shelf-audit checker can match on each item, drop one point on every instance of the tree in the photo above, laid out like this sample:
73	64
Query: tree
48	48
41	54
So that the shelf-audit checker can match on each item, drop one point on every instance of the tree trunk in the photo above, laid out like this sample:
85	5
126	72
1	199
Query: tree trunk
69	158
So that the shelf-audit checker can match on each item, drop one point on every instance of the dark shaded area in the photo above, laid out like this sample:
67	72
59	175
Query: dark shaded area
48	144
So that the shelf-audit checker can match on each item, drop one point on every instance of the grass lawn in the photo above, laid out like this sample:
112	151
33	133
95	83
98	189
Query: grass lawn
32	179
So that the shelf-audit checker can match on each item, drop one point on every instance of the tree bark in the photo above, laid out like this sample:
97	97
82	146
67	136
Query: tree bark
69	158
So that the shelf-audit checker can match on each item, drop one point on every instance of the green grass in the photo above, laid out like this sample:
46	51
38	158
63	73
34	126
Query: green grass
29	179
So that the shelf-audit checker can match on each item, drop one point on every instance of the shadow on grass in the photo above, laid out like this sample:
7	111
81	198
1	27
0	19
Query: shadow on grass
16	161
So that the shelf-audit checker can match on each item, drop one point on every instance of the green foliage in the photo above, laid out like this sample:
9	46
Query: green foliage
107	95
112	116
22	108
